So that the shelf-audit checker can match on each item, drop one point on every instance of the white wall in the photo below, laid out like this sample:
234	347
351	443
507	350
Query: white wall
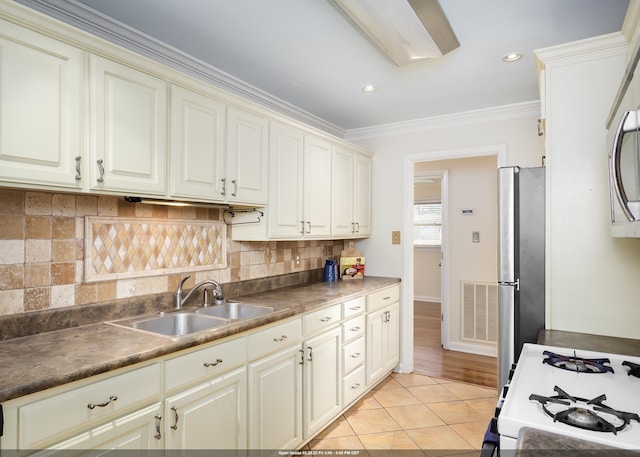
512	129
593	280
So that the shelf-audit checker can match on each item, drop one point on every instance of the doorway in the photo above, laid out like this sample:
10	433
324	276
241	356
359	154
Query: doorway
461	358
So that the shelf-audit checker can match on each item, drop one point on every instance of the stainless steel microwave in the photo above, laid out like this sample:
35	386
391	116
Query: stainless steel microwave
624	174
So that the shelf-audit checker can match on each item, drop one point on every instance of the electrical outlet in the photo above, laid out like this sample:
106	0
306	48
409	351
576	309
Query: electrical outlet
395	237
297	259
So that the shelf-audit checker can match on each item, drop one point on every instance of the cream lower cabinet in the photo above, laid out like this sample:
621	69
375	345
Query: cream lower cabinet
322	380
40	122
138	431
383	333
208	416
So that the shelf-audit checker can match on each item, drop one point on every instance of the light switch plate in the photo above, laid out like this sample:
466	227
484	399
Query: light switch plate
475	237
395	237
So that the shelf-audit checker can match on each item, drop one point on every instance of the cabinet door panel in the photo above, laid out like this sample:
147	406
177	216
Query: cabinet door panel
362	195
247	160
209	416
317	187
197	145
129	127
342	202
275	401
323	380
40	122
286	191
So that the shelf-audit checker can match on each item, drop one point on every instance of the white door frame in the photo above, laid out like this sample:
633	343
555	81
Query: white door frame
406	318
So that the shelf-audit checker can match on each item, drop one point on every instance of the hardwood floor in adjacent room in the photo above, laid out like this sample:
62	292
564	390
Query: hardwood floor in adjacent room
430	359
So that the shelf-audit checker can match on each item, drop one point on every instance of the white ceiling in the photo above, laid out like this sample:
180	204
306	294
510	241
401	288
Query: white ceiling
306	53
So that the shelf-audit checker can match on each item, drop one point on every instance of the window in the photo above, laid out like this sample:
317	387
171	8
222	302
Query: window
427	224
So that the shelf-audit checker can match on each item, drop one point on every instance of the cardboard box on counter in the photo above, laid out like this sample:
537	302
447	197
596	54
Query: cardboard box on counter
352	267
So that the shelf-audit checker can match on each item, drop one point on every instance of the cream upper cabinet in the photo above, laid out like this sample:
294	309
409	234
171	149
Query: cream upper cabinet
128	129
351	200
286	194
40	122
197	153
247	157
299	203
317	187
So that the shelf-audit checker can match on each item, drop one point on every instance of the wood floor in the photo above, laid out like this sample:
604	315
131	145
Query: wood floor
430	359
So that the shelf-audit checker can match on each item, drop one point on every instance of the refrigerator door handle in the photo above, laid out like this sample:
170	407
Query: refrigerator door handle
515	284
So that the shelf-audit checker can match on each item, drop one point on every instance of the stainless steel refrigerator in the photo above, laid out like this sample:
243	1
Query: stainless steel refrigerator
521	275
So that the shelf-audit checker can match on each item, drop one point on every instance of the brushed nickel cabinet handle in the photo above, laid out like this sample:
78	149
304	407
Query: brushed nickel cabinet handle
112	398
325	319
356	355
101	170
356	386
213	364
224	186
78	171
158	418
282	338
175	418
235	188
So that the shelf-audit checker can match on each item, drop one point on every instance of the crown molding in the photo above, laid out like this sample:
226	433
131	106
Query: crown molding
518	110
89	20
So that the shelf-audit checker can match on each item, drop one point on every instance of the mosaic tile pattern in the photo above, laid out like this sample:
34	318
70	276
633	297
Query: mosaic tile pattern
128	248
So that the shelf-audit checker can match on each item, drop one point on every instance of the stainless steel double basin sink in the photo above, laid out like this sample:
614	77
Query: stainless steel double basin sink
188	322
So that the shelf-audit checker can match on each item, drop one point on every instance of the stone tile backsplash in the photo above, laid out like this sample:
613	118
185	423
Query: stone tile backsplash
43	250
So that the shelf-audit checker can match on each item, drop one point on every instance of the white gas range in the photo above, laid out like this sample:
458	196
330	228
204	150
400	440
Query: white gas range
540	392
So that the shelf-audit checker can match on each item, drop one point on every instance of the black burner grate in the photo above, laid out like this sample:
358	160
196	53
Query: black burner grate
578	364
583	413
634	368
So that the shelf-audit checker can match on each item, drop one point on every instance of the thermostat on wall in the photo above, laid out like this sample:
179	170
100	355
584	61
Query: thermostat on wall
467	212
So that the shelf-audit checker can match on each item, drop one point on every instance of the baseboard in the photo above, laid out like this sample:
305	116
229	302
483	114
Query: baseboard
425	298
473	348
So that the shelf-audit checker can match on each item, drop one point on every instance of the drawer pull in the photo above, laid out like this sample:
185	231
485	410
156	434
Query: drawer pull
355	356
282	338
175	418
102	405
355	329
388	297
325	319
354	308
213	364
356	386
158	435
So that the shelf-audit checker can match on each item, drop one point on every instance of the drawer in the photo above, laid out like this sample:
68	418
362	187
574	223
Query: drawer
383	298
353	307
321	319
273	338
84	406
353	386
353	355
353	328
204	363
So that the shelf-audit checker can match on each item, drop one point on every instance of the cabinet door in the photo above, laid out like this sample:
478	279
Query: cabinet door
197	145
383	342
317	187
322	380
138	431
208	416
342	222
128	129
247	157
286	192
362	195
275	401
40	122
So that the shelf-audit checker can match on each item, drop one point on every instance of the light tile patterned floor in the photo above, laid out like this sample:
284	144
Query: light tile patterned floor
420	415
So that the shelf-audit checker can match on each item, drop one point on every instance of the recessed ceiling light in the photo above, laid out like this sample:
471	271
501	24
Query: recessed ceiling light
512	57
369	88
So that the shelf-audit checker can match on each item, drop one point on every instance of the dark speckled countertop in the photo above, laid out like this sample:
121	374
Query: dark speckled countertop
37	362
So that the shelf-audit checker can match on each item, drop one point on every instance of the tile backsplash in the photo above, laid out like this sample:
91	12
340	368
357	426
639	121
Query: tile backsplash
43	250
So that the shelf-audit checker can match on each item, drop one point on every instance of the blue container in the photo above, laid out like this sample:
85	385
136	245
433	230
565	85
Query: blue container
330	271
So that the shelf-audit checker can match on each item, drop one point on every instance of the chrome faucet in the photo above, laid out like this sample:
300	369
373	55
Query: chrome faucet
180	300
